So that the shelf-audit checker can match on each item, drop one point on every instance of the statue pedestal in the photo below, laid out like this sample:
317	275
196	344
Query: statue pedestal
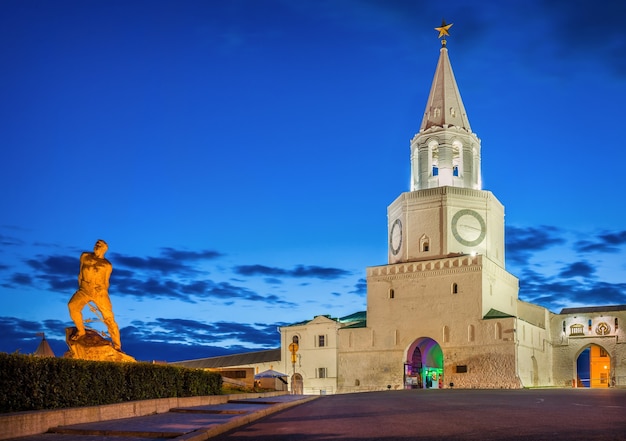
92	346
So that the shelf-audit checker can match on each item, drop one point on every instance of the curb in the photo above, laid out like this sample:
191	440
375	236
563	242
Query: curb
207	433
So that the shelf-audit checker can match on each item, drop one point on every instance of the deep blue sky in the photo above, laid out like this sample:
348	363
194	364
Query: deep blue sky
238	156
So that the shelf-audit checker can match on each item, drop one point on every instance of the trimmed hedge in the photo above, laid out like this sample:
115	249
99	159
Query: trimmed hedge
36	383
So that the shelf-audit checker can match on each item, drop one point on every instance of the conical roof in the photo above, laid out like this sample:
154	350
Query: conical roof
44	349
444	106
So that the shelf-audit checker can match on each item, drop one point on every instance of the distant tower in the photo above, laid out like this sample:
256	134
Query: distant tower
44	349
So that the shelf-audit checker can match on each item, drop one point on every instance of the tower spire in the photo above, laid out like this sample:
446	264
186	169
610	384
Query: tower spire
445	152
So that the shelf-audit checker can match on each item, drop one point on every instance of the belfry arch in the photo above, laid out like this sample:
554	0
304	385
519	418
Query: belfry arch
592	367
423	365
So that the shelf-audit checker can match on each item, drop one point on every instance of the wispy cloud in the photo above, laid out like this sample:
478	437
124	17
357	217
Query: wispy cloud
169	261
196	339
523	242
577	269
300	271
557	292
360	288
562	283
161	339
603	242
8	241
19	335
172	274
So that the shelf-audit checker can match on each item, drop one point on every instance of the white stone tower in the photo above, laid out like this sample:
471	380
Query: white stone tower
443	311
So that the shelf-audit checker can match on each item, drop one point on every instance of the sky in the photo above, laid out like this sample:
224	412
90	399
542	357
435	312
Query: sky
238	156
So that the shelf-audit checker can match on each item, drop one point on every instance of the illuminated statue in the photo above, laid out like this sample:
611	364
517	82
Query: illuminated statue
93	286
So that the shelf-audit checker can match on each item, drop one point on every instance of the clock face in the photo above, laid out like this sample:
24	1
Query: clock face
468	227
395	237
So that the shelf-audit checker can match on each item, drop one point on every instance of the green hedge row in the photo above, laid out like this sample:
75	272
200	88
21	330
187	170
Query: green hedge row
35	383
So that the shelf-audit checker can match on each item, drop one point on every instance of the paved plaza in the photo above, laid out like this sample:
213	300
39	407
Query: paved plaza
539	414
514	415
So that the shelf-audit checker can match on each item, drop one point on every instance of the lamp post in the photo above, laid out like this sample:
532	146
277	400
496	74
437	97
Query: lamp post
293	348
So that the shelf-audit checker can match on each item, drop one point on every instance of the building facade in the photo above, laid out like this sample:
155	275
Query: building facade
444	312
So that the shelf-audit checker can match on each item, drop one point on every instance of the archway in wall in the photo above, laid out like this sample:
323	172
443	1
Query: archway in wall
297	384
593	367
423	366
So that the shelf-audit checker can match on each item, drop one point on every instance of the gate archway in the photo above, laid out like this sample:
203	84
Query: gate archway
423	367
593	367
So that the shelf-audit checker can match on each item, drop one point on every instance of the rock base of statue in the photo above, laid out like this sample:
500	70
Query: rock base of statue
92	346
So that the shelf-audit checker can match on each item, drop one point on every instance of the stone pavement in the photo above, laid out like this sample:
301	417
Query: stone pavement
195	423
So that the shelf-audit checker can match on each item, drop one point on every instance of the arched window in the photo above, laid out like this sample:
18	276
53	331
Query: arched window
455	288
424	243
433	150
295	339
457	158
498	329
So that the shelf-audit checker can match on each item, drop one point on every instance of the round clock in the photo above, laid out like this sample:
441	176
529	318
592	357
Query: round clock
395	237
468	227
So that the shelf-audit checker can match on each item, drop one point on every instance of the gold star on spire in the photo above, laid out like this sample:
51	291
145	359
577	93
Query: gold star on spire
443	31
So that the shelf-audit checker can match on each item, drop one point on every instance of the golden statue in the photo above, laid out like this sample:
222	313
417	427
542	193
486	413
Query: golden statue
93	286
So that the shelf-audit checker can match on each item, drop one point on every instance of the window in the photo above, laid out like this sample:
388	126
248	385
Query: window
455	288
461	369
322	373
295	339
433	152
604	378
616	324
391	294
470	333
321	341
603	353
424	243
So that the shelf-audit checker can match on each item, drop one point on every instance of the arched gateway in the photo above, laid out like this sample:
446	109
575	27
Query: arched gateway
593	367
423	366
